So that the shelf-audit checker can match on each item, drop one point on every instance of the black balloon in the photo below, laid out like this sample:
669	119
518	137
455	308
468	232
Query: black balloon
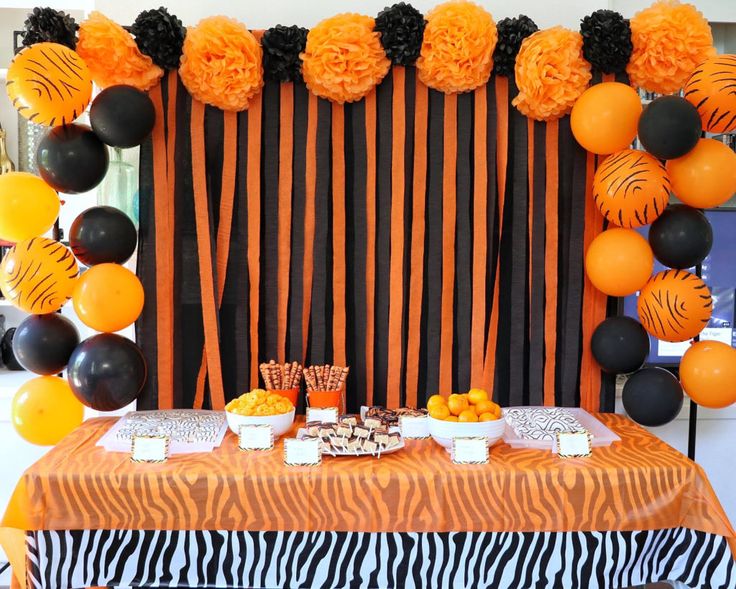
652	396
681	237
44	343
620	345
669	127
72	159
122	116
6	350
103	234
106	372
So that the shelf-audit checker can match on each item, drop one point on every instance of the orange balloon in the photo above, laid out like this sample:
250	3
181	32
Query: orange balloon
675	305
708	373
605	117
49	84
710	90
704	177
619	262
108	297
28	206
38	275
631	188
44	410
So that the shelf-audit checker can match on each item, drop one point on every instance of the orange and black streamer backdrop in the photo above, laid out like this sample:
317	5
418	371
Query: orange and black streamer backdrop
431	242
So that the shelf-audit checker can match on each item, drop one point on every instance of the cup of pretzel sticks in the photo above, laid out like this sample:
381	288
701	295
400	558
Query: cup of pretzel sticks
326	386
283	379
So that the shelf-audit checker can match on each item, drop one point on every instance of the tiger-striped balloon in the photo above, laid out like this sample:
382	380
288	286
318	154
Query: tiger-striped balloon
38	275
49	84
675	305
712	90
631	188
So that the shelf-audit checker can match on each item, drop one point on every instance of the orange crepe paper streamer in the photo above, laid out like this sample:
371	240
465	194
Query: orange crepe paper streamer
310	173
502	152
480	237
449	213
204	251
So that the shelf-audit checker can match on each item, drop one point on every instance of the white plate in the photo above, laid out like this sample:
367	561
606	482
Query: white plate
303	432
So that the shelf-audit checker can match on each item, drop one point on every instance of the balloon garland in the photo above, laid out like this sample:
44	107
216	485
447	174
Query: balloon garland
51	84
632	189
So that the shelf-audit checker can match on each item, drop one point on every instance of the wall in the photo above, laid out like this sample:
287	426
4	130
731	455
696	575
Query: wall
260	15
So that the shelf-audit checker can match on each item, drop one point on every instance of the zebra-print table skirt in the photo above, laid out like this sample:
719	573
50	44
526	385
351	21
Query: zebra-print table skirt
499	560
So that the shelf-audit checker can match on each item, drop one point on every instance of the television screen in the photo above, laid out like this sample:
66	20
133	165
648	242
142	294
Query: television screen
719	272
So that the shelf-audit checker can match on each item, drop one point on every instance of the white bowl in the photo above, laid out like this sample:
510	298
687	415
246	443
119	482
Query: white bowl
442	432
280	423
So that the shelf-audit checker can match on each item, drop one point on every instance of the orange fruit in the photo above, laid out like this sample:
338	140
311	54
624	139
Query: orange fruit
451	418
484	407
476	396
487	417
467	416
457	404
435	400
439	411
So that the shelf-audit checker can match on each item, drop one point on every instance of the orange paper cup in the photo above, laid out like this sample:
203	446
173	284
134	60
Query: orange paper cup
320	399
291	394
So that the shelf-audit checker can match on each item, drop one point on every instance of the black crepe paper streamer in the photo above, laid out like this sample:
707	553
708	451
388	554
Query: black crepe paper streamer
51	26
511	32
402	30
160	36
282	46
606	41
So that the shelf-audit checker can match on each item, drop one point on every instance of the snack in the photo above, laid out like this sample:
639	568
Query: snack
259	402
280	377
343	438
391	416
469	407
325	377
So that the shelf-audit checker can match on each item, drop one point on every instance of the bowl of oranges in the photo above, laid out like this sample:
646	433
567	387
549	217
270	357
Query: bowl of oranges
259	407
471	414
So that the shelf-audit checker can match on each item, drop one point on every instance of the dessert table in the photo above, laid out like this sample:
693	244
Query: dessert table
632	512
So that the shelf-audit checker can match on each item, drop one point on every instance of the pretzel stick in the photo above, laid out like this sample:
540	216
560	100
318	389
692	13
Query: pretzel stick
343	378
318	377
308	379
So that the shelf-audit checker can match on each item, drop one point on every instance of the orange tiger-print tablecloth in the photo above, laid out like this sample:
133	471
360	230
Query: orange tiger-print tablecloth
640	483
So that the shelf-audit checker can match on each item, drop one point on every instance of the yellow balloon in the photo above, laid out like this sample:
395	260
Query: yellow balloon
28	206
44	410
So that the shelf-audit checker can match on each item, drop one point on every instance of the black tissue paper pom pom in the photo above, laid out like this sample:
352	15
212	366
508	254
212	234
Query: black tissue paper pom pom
281	48
511	32
49	25
160	36
606	41
402	29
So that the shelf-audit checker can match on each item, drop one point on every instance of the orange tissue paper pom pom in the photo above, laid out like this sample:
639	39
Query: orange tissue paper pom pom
344	60
112	56
670	41
551	73
222	63
457	50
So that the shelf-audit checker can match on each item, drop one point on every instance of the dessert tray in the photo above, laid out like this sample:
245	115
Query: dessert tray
353	439
189	430
536	427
